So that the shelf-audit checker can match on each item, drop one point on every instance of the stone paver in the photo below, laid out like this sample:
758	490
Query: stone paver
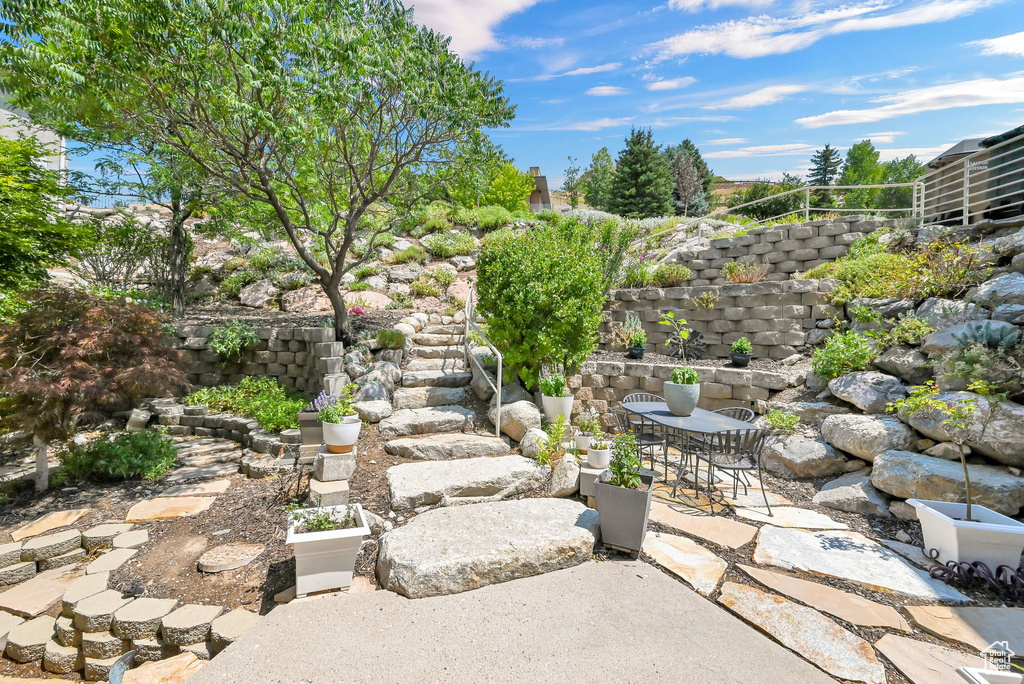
149	650
67	635
425	421
131	540
791	516
17	572
912	553
176	670
430	482
447	446
102	536
850	556
924	663
96	669
450	550
95	613
10	554
61	659
7	623
229	557
976	627
50	521
687	559
202	472
32	597
27	641
69	558
807	632
211	488
80	588
228	627
110	561
102	645
845	606
50	545
189	624
725	532
167	508
140	619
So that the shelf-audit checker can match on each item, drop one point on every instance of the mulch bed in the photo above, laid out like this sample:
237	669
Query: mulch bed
666	360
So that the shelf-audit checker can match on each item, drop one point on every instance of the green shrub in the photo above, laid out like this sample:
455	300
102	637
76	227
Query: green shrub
705	300
670	275
684	375
293	280
401	300
542	292
625	463
455	243
412	253
548	216
782	421
908	330
638	274
993	356
735	272
234	283
126	455
359	286
390	339
385	240
491	218
843	353
742	346
443	276
365	271
423	287
231	340
273	406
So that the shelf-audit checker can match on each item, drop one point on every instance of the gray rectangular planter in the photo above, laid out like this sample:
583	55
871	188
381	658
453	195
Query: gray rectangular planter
310	427
624	514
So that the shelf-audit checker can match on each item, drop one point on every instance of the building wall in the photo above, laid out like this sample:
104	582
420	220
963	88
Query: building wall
11	123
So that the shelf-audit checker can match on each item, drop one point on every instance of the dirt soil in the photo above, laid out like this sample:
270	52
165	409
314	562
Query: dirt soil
665	359
214	313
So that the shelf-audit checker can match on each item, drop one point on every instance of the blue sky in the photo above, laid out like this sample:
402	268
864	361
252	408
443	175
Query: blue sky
757	84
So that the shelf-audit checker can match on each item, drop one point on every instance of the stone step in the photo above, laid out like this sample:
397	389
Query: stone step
436	340
221	456
195	447
456	364
422	397
446	447
425	421
431	482
455	351
444	330
436	378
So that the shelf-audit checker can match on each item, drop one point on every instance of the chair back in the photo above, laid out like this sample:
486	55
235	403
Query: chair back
621	420
737	412
741	443
641	396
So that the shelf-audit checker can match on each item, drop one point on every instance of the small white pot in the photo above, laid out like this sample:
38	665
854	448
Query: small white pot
327	560
599	458
341	437
992	538
583	443
555	406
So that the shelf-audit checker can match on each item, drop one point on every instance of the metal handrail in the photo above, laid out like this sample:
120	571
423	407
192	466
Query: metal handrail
470	312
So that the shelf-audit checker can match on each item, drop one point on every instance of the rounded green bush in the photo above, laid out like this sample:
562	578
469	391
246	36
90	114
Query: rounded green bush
844	353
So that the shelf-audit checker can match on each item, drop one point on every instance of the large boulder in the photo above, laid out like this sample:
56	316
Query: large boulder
516	418
1007	288
372	391
867	436
942	341
996	427
483	382
910	475
795	456
373	411
514	392
906	363
532	442
941	313
425	421
451	550
447	446
305	299
869	391
853	493
367	299
565	477
259	294
431	482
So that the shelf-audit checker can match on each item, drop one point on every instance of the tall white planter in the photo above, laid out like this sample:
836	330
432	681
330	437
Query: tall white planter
553	406
341	437
327	560
992	538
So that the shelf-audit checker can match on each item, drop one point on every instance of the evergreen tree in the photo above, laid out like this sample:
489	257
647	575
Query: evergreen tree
861	168
642	185
597	179
573	184
688	185
698	203
825	167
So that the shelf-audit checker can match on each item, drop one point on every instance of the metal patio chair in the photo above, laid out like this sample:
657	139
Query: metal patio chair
647	439
735	452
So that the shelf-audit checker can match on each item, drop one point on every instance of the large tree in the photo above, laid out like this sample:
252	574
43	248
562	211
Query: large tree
573	184
695	198
861	168
318	109
597	179
510	188
900	170
642	185
825	166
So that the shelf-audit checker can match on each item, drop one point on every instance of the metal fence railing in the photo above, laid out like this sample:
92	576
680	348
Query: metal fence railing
470	357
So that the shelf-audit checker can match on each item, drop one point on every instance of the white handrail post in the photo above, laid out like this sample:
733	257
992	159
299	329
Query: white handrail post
807	204
967	191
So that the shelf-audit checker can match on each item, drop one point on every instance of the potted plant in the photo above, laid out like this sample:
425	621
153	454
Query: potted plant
741	352
555	397
590	426
624	497
326	542
961	532
341	425
599	455
637	344
682	393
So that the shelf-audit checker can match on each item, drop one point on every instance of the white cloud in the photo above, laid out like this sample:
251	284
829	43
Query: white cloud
605	91
698	5
553	102
581	71
530	42
1012	45
594	125
669	121
981	91
470	23
791	149
883	138
766	35
762	96
725	141
671	83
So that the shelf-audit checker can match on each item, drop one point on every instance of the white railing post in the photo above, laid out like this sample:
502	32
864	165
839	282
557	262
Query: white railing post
967	191
807	204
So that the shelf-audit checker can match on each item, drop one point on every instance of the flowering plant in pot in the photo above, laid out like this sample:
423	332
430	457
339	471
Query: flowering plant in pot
683	392
637	344
624	497
961	532
326	543
555	397
741	352
599	455
590	426
341	425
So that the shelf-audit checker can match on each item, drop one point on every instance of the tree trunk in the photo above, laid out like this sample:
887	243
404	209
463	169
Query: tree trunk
342	332
42	462
178	249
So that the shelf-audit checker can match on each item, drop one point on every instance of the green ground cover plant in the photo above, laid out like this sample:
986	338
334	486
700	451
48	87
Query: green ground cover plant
231	340
274	407
845	352
124	456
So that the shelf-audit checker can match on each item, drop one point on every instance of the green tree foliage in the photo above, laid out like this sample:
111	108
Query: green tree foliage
598	178
542	292
479	162
825	166
692	180
902	170
573	184
642	185
33	232
761	189
317	109
861	168
510	188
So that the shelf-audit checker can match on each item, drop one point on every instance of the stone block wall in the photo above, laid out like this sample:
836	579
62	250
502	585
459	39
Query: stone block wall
777	317
305	359
786	249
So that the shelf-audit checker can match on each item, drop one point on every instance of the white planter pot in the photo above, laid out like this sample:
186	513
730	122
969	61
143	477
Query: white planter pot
992	538
327	560
681	399
583	443
553	406
975	676
341	437
599	458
